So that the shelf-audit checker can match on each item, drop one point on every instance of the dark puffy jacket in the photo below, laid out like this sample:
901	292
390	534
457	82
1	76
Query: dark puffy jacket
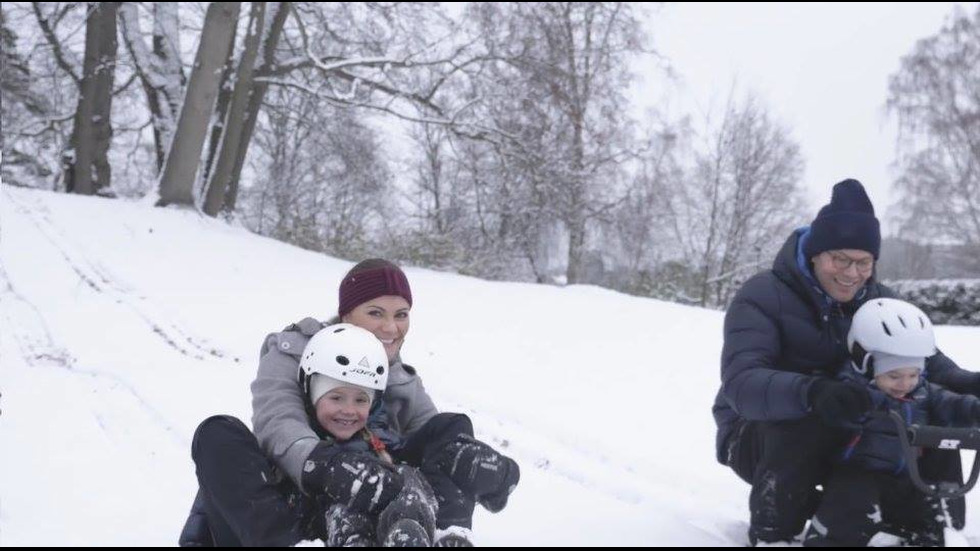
781	331
876	446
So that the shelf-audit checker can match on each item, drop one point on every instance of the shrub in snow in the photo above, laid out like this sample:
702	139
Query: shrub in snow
947	301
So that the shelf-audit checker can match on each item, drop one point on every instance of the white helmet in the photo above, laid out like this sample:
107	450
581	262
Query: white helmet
345	353
888	328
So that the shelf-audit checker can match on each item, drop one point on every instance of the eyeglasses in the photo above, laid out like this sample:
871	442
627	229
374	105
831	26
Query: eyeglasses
843	262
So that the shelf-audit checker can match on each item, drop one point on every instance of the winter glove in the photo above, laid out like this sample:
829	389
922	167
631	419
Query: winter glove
416	502
358	480
480	471
346	528
838	404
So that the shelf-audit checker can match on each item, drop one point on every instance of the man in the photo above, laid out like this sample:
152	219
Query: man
780	414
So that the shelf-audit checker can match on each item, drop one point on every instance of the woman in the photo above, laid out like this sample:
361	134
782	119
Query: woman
243	498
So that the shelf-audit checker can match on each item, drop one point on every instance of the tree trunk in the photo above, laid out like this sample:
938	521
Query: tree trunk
166	58
105	76
255	100
234	119
183	160
218	122
87	170
576	246
575	214
159	70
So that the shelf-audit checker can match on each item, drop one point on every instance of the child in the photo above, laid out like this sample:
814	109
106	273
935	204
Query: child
889	341
344	370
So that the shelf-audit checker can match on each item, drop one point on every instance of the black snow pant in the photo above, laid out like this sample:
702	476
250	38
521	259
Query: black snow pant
946	466
243	500
857	504
785	461
424	449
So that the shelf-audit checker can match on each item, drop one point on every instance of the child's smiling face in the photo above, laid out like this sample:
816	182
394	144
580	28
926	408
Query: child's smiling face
897	383
343	411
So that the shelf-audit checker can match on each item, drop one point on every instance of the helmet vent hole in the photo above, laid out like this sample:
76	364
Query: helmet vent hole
381	370
887	330
339	329
902	321
342	360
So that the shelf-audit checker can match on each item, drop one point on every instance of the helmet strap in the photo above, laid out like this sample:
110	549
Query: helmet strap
862	361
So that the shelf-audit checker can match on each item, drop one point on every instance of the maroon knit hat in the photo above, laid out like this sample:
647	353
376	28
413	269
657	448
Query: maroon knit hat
370	279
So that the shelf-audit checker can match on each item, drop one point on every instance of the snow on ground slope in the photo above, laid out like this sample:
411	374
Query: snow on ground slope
123	326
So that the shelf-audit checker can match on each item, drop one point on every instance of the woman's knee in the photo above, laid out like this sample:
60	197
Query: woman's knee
216	433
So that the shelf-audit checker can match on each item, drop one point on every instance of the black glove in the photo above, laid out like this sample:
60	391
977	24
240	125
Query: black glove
417	501
358	480
480	471
346	528
839	404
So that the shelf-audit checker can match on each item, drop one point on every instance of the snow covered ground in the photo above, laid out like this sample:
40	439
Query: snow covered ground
122	326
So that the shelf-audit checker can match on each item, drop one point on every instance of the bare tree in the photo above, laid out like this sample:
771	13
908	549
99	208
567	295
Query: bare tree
55	49
20	105
467	211
180	169
87	166
158	67
362	56
434	195
243	108
636	232
217	130
565	70
936	97
329	186
742	198
234	117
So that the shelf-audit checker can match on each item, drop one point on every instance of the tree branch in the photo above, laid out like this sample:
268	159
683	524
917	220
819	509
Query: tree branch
49	35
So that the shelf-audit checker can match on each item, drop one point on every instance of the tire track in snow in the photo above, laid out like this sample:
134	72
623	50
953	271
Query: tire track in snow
99	280
24	324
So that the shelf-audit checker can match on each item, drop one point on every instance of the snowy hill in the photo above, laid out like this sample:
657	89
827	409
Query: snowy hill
122	326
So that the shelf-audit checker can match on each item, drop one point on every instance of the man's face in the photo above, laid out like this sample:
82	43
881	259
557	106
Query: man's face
844	272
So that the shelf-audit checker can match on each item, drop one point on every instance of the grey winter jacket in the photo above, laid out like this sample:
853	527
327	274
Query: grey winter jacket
279	416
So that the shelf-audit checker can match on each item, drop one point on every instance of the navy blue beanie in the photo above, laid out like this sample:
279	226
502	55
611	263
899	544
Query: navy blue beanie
848	222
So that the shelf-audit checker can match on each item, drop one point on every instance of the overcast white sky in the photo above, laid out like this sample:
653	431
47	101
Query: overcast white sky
821	67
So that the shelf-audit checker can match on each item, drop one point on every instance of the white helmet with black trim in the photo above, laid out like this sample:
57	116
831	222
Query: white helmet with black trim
346	353
892	331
